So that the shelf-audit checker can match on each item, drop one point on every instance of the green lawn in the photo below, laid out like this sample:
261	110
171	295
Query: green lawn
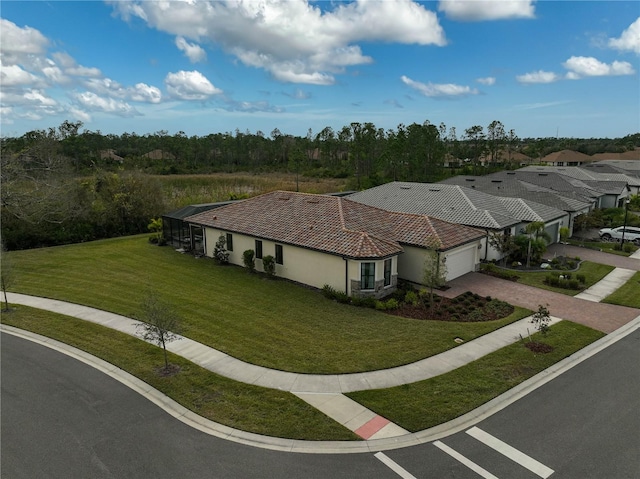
628	294
238	405
273	323
593	272
425	404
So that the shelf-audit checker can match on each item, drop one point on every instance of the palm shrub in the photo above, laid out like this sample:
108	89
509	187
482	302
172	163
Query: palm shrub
249	260
269	265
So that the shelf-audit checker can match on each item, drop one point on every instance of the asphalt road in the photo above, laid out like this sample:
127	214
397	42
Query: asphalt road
63	419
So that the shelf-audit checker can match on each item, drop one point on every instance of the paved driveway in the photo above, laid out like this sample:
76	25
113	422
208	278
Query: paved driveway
601	316
593	256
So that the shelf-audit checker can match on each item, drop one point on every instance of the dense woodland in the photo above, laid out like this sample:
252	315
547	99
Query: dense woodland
65	185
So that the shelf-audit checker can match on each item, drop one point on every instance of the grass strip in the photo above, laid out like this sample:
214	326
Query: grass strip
272	323
628	294
607	247
242	406
425	404
593	273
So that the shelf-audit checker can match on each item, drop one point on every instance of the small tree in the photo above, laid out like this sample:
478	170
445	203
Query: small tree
537	239
248	258
220	252
503	244
155	227
269	265
564	236
161	324
435	272
541	319
6	274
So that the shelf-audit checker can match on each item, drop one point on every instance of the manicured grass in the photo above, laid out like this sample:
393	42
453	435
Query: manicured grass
606	246
628	294
238	405
273	323
431	402
593	272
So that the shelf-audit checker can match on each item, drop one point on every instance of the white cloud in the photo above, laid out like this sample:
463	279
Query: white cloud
294	40
145	93
629	40
479	10
93	102
39	97
487	81
72	68
195	53
439	90
16	42
538	77
191	85
588	66
13	75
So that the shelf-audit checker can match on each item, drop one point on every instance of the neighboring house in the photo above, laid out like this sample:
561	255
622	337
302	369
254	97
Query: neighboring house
456	204
110	154
506	185
614	187
566	158
159	154
322	240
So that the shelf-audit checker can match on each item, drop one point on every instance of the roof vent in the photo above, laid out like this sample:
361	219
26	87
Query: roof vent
542	174
496	181
284	198
405	187
469	179
313	201
434	189
511	172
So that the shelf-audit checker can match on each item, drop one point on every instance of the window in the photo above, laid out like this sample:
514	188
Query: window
279	254
229	242
387	272
367	275
258	249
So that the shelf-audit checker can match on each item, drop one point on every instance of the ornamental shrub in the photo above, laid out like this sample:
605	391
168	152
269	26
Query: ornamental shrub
249	260
269	265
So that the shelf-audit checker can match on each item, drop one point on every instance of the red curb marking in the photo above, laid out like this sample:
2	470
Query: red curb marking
369	428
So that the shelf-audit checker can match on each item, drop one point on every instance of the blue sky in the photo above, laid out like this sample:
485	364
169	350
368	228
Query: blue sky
542	68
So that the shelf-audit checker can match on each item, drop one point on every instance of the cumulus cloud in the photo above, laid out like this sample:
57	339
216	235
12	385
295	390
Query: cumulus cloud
16	42
439	90
294	40
480	10
195	53
487	81
31	69
540	76
191	85
588	67
629	40
92	102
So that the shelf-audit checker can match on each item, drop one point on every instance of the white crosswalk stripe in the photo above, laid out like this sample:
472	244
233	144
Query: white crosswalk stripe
510	452
394	466
467	462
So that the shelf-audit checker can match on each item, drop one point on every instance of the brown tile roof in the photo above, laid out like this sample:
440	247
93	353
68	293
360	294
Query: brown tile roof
333	224
566	156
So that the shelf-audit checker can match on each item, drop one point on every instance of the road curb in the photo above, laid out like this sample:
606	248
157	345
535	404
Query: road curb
328	447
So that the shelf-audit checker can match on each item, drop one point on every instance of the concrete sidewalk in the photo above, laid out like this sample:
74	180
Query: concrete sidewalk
324	392
606	285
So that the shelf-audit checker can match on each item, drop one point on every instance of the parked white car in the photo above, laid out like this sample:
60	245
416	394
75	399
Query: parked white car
631	233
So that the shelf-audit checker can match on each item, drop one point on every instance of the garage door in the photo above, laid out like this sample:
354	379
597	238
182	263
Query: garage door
552	231
461	261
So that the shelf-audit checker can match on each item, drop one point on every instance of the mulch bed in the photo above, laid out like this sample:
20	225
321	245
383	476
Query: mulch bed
467	307
163	372
538	347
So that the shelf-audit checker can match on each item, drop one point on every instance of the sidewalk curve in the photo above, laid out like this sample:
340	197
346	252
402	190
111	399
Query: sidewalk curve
230	367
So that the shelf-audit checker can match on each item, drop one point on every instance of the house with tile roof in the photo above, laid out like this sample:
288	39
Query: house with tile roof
538	198
322	240
566	158
469	206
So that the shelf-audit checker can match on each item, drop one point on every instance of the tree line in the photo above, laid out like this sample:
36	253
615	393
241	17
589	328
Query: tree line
64	185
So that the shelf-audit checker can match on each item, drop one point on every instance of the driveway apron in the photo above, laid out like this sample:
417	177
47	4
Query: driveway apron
601	316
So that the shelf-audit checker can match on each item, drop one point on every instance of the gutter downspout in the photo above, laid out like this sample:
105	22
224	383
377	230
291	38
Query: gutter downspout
486	246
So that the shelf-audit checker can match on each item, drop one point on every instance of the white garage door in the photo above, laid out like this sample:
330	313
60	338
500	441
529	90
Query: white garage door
461	261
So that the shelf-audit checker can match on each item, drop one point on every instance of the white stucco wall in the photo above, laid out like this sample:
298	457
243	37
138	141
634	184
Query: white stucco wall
303	265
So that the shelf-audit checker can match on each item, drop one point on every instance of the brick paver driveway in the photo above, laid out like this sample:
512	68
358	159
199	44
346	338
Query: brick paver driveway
601	316
593	256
